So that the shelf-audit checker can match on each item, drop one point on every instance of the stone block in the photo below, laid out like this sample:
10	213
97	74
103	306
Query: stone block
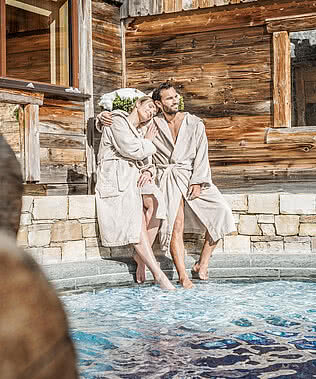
82	206
310	219
27	204
90	229
51	255
268	247
297	247
237	244
313	244
93	253
219	249
36	254
267	229
308	230
26	219
22	237
66	231
92	242
237	202
265	238
50	207
74	251
297	239
298	204
287	225
265	219
39	235
248	226
236	218
263	203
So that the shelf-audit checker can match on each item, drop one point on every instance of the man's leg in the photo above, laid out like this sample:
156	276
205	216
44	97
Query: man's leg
177	247
152	223
201	267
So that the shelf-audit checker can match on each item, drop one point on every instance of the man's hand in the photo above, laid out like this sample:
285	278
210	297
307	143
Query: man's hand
145	178
194	191
105	118
151	132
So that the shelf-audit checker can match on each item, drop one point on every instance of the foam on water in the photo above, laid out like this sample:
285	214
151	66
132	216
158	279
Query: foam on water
216	330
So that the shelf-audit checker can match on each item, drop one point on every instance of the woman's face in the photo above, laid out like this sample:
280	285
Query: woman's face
146	111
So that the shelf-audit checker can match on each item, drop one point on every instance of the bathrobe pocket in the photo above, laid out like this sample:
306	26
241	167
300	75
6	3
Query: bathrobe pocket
107	182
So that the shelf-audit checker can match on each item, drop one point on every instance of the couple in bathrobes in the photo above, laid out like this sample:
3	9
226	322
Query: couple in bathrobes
193	202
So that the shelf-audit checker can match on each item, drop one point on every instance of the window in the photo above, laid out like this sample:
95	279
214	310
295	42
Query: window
303	75
39	41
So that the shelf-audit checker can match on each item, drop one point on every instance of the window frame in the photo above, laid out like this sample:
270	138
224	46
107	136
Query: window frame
9	82
280	28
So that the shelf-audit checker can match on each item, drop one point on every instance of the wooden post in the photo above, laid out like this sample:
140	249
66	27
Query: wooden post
282	80
32	144
2	39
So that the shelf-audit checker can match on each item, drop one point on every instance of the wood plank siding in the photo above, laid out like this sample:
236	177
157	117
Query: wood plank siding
107	52
222	61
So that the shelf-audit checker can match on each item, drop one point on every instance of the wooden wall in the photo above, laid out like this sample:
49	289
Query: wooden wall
222	63
107	52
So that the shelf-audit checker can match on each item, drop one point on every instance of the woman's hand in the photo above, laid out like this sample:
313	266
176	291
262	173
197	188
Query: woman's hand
194	191
105	118
151	132
145	178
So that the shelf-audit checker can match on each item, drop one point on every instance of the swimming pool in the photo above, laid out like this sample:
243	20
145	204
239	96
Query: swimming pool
219	329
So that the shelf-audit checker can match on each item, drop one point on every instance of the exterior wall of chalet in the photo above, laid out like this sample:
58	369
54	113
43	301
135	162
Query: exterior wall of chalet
230	64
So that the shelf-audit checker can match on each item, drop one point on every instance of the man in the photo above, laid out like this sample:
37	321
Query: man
194	204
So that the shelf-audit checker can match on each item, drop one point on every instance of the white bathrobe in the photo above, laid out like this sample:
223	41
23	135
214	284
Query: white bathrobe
123	155
178	166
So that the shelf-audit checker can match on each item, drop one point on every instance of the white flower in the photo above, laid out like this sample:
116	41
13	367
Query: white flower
106	100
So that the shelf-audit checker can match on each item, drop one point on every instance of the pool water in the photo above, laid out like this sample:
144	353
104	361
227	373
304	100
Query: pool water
219	329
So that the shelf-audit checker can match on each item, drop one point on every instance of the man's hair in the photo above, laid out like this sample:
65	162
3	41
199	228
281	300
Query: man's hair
157	91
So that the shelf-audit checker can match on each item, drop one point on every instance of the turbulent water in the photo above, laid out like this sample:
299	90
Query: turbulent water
216	330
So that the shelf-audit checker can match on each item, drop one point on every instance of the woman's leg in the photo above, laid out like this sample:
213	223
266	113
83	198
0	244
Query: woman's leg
150	205
145	253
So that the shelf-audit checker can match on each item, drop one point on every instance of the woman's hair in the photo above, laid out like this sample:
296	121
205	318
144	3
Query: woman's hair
143	99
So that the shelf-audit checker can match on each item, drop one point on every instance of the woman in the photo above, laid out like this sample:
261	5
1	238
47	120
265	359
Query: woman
128	203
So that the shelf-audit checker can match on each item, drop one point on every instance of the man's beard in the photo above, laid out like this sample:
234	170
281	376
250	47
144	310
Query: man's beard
169	110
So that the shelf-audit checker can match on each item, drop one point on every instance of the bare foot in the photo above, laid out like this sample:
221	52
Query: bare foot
186	283
202	272
140	273
140	270
164	282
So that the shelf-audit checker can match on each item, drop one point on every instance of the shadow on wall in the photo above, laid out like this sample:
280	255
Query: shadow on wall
34	337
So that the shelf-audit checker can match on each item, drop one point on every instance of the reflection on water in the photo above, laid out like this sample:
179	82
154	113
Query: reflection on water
217	330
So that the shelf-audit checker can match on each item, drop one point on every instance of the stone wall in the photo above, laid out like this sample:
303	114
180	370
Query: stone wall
60	229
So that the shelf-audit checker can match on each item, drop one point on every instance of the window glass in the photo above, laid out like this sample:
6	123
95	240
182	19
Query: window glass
303	71
37	41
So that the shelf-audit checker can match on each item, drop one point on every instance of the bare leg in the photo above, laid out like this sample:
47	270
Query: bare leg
152	223
177	247
201	267
145	253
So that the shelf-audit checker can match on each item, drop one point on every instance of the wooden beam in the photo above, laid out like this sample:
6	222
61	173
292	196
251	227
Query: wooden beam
2	39
32	144
20	97
282	80
304	135
75	43
292	24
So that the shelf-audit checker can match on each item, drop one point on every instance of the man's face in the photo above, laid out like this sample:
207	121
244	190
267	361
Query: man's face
169	102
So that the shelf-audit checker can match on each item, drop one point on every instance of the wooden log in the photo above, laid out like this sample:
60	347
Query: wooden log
62	141
55	189
282	80
292	24
299	135
20	97
32	143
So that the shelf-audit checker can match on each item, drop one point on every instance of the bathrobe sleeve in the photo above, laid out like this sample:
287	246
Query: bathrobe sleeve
201	167
126	142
